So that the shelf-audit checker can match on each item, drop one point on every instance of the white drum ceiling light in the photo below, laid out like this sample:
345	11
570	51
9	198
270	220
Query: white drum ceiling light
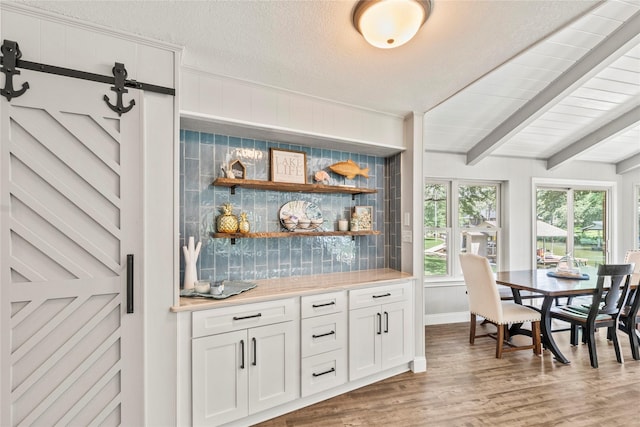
390	23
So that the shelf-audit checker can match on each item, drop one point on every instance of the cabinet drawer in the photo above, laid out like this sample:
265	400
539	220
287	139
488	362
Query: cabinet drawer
323	333
322	372
219	320
377	295
327	303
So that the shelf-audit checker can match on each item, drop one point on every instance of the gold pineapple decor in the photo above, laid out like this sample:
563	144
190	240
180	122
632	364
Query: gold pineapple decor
227	222
243	226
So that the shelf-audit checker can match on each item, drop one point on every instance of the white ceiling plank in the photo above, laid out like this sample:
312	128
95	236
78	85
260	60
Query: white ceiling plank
556	50
595	24
601	56
619	10
576	101
628	164
610	129
610	85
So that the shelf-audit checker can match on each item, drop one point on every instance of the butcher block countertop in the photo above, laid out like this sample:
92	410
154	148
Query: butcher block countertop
284	287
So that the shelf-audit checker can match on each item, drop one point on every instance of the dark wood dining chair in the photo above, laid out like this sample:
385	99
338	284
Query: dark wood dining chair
629	316
484	301
604	310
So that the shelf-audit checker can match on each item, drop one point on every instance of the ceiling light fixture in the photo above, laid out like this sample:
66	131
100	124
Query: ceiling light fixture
390	23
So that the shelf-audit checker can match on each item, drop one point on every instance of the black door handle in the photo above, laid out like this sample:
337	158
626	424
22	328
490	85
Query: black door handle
130	283
255	355
386	322
242	351
379	323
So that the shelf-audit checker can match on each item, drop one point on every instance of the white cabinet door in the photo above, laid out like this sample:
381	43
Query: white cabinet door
239	373
397	334
220	371
274	365
365	342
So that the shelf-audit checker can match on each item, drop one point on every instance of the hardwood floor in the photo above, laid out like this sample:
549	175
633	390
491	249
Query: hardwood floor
467	386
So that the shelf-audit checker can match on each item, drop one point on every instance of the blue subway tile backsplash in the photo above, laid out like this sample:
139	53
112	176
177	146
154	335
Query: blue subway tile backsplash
202	158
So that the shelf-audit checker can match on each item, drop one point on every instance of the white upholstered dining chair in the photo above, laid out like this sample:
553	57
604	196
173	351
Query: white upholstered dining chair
484	301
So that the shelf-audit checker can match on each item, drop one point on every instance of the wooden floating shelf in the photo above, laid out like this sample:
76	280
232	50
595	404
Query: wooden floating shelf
288	234
289	187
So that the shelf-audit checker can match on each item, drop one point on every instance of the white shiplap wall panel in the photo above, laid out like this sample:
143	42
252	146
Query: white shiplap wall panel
210	98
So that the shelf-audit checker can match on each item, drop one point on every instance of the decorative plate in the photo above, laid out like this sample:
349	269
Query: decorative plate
292	214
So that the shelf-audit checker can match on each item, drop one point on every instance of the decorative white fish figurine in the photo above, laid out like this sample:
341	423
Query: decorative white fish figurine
349	169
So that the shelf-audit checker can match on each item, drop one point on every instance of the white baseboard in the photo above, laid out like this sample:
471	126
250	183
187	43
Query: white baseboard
442	318
419	364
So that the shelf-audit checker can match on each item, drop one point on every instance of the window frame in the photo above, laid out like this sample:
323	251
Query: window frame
571	186
636	216
454	230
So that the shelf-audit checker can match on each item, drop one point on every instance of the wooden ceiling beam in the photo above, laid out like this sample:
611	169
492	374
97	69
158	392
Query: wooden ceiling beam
628	165
594	61
614	127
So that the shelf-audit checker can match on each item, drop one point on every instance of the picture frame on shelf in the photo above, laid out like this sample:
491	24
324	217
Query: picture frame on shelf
288	166
365	217
238	170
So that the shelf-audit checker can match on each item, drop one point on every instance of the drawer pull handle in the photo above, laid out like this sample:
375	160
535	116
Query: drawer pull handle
324	373
388	294
323	305
247	317
242	352
323	335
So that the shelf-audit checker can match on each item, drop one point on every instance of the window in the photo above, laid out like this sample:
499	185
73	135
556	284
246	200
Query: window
459	217
637	234
571	221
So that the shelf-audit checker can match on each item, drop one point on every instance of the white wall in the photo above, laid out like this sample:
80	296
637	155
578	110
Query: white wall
226	99
446	301
628	205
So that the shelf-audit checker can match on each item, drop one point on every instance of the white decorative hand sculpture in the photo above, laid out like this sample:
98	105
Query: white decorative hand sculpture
190	258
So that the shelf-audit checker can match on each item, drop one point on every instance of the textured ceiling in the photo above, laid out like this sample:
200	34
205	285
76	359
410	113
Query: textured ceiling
478	69
311	47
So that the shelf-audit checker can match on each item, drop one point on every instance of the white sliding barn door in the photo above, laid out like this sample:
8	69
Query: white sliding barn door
70	199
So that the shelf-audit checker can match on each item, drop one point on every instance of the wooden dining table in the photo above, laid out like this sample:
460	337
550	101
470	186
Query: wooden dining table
550	288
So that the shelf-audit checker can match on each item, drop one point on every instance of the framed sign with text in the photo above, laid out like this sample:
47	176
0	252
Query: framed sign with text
288	166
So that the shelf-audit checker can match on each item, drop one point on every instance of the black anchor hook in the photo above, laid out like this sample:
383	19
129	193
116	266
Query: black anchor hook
120	74
10	55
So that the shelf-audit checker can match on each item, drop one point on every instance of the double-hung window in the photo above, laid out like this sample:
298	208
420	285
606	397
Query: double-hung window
460	217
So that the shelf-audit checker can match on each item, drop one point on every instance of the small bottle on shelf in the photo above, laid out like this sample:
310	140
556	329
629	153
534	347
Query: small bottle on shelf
354	222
